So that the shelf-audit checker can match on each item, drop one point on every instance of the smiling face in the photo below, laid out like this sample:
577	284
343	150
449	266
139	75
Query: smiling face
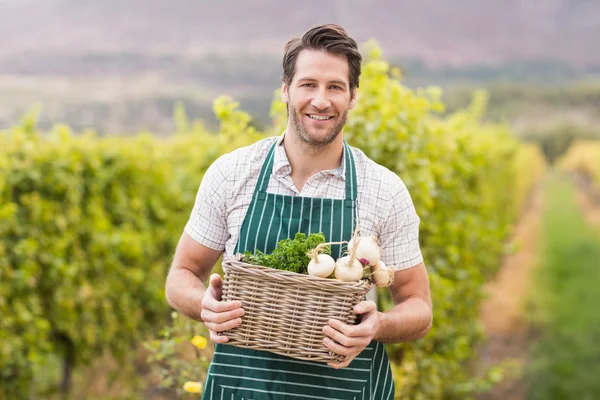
318	97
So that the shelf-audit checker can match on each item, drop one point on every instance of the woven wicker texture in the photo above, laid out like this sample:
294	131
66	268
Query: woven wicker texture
285	312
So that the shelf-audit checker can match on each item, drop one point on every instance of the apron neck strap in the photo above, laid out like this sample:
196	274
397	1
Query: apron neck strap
265	172
351	190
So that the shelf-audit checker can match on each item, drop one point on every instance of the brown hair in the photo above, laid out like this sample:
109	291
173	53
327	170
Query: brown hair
331	38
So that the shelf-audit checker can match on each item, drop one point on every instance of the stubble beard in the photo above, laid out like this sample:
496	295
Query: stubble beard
310	144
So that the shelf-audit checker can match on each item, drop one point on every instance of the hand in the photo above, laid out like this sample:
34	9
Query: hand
352	339
219	315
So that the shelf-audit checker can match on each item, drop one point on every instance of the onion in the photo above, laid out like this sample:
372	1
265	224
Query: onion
367	249
322	265
382	276
348	269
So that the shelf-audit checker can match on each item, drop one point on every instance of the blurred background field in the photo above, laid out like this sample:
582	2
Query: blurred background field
110	112
119	66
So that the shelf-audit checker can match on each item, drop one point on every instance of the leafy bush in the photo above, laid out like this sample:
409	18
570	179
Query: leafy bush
583	158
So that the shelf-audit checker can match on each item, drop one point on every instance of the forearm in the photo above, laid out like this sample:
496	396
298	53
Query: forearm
408	320
184	291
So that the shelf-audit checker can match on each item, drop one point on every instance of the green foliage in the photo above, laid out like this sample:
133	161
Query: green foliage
86	235
289	254
89	226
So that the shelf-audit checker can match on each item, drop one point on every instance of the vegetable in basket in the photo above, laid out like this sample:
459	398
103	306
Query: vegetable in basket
367	250
321	264
312	255
290	254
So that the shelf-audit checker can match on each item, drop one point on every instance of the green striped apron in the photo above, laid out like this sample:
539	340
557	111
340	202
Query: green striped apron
236	373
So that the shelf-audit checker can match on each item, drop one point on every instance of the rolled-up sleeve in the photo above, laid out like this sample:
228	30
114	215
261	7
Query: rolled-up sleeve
399	237
207	223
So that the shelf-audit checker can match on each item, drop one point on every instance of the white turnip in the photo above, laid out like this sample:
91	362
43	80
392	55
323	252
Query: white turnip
367	249
348	269
381	275
321	265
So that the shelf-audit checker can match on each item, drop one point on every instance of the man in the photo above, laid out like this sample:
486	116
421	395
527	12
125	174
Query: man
310	160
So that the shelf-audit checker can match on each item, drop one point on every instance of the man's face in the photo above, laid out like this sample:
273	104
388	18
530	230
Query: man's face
318	97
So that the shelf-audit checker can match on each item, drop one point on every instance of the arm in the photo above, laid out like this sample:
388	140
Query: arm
412	316
186	293
198	250
191	266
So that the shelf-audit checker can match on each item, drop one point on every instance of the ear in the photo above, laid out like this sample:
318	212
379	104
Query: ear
284	93
353	97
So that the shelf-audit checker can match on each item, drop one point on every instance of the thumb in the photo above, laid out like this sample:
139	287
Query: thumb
216	286
216	281
365	307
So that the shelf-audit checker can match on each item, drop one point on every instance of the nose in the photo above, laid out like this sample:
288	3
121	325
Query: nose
320	100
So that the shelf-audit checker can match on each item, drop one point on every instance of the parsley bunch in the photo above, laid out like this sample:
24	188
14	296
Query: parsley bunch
290	254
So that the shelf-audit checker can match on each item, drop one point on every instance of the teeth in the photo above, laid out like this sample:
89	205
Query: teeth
319	117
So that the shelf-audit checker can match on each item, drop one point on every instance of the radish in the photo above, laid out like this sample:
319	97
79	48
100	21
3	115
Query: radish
382	275
367	249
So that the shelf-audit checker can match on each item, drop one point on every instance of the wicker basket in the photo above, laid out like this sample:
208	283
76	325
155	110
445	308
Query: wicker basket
285	312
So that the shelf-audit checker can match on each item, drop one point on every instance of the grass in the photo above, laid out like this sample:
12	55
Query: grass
565	361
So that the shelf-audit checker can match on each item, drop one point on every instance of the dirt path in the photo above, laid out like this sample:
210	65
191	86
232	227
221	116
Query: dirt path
502	313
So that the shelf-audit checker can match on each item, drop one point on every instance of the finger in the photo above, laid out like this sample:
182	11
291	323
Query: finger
342	339
225	326
345	329
215	337
212	304
339	349
208	315
362	330
343	364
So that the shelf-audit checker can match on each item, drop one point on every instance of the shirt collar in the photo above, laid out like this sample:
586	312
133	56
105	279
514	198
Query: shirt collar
282	167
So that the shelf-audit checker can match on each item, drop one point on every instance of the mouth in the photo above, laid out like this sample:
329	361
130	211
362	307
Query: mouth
316	117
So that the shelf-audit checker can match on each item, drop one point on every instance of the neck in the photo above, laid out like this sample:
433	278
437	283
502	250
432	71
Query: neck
307	160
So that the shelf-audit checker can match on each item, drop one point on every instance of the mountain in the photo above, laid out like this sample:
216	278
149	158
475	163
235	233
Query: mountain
437	32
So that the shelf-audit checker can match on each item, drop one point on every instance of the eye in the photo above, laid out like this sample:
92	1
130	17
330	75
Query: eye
307	85
336	87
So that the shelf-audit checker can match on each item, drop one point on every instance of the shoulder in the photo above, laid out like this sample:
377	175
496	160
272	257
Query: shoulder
377	180
232	173
244	156
237	165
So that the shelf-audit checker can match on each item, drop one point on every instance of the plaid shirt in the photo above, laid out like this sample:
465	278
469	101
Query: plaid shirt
385	208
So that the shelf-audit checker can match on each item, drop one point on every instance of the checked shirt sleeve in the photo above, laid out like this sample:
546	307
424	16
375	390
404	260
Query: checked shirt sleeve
207	223
399	237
